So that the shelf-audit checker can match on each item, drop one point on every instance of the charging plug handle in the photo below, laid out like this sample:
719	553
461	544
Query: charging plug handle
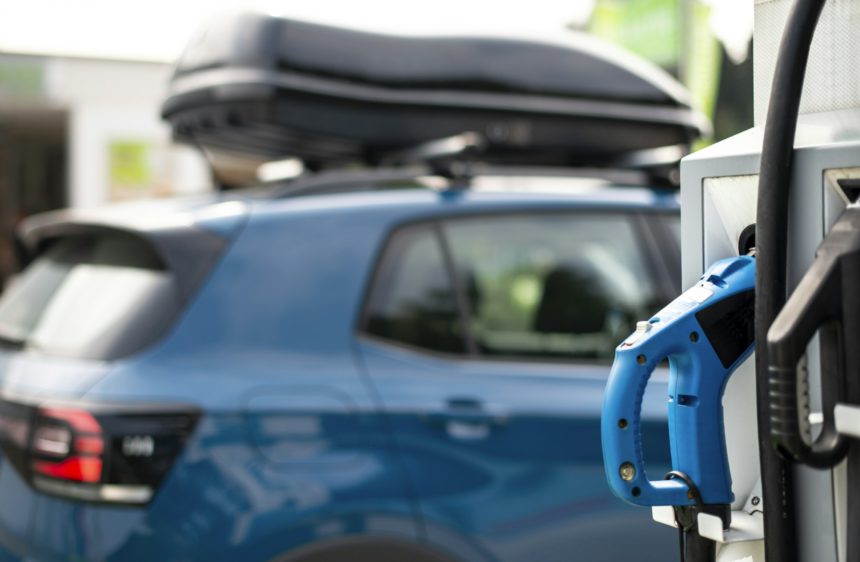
705	334
824	301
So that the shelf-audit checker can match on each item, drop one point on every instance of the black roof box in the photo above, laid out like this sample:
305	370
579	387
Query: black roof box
270	88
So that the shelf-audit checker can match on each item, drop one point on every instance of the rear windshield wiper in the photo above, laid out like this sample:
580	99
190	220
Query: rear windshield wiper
7	342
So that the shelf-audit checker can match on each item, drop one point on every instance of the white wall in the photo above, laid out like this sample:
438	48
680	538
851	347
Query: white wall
119	101
832	74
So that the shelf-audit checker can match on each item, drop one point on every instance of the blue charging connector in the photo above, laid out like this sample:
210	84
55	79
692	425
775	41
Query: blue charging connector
705	334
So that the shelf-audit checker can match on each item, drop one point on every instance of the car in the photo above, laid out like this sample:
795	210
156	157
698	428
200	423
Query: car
365	372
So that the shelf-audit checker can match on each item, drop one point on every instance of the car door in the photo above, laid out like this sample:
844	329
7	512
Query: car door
489	340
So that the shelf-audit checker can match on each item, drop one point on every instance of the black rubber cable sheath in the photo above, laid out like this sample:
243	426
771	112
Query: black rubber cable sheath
771	247
698	548
851	332
852	539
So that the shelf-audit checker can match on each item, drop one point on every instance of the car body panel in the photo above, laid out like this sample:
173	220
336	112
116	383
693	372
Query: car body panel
295	444
523	477
504	455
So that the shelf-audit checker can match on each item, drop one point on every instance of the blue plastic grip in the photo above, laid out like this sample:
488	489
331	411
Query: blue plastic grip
697	378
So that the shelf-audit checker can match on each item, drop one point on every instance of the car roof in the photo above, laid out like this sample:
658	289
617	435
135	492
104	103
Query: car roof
221	213
476	199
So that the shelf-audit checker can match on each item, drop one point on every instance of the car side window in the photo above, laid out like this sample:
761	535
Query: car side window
412	300
671	225
551	285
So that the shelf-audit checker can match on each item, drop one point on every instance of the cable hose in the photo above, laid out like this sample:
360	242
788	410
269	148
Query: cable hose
771	247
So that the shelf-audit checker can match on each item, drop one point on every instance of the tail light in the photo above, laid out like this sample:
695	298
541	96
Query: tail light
97	453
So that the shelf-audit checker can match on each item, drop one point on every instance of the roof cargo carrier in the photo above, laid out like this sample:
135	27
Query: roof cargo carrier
266	88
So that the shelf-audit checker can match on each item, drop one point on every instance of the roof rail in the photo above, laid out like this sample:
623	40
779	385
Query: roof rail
377	179
456	161
340	181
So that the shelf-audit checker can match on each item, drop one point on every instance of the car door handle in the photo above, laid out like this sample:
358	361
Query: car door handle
467	419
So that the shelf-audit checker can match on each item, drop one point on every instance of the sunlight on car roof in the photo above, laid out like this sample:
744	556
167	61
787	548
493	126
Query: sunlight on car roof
534	184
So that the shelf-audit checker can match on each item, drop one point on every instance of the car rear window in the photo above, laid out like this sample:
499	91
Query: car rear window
90	296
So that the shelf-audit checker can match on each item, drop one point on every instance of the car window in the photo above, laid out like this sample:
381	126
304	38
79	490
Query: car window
89	296
554	286
673	224
412	300
667	229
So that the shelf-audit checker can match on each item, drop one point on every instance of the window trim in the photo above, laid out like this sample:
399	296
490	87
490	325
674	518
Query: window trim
653	241
663	238
433	226
436	223
464	311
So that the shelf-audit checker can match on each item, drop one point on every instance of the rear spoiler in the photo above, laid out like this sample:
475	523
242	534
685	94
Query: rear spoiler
187	243
20	254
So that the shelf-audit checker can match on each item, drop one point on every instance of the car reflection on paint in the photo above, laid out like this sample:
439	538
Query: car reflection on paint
378	373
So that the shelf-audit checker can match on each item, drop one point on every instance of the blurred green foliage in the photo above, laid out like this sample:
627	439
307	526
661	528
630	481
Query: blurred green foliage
21	78
649	28
676	35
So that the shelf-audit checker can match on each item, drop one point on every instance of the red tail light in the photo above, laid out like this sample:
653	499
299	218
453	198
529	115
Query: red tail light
52	441
67	445
79	419
74	469
115	454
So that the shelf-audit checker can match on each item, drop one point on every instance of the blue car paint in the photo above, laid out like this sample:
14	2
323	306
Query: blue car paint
296	442
477	480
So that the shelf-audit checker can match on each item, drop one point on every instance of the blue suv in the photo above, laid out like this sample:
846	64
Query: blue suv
375	374
398	356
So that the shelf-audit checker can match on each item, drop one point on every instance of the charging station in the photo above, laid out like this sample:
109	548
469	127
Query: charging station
719	194
789	414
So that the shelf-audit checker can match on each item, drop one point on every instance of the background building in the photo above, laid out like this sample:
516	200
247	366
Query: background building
82	132
79	122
